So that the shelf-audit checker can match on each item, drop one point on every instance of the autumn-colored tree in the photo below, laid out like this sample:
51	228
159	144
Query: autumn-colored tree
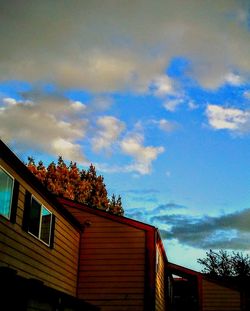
83	186
115	206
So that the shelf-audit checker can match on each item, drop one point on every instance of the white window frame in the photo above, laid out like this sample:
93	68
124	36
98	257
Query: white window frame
40	221
12	190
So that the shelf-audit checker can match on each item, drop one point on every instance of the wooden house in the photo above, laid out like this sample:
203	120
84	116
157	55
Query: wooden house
56	254
198	292
122	262
39	243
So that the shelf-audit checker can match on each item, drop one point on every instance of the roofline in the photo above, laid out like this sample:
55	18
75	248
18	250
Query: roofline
160	241
13	161
187	271
121	219
182	269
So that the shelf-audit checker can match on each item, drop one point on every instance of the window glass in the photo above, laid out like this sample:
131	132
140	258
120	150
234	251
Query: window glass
40	220
34	217
6	190
45	225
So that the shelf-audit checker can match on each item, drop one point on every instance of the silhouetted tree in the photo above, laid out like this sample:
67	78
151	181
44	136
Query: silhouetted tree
224	264
84	186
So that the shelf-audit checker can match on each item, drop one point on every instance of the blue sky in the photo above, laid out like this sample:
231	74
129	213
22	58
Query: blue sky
155	93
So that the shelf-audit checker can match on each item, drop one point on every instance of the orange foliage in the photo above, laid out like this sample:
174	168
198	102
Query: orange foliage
82	186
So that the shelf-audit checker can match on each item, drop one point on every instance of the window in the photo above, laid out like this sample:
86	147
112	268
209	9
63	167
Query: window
6	193
39	221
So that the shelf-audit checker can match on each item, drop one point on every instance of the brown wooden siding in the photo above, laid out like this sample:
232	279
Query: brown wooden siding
216	297
160	290
21	251
112	264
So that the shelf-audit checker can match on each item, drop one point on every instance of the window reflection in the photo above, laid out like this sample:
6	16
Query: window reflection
40	219
6	191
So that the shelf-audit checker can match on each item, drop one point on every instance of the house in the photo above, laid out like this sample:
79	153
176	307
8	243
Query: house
195	291
39	243
56	254
122	262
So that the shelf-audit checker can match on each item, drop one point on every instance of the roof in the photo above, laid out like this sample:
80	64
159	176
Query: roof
182	271
59	203
13	161
121	219
187	273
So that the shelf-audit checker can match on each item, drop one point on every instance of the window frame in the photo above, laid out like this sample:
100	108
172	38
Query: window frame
32	197
12	194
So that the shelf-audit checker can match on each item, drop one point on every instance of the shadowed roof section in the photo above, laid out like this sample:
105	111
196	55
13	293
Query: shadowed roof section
182	271
121	219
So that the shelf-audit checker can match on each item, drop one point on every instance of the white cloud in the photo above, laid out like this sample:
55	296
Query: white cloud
246	94
69	150
109	131
228	118
122	45
34	126
192	105
166	125
9	101
78	106
143	155
162	86
12	101
234	79
172	104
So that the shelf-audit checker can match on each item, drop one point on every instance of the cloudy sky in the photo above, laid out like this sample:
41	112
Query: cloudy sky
155	93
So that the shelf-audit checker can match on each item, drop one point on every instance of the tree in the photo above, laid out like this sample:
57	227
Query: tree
115	206
224	264
83	186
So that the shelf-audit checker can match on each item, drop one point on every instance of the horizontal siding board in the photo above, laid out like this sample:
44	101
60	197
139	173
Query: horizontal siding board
101	273
33	244
36	273
110	234
112	268
11	246
114	256
115	297
109	229
66	228
102	290
107	262
69	243
19	220
23	252
117	303
110	246
219	298
114	279
112	263
21	195
118	241
112	284
100	251
19	211
33	263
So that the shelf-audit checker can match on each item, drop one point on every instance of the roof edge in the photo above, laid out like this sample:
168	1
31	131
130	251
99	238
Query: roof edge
13	161
101	213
